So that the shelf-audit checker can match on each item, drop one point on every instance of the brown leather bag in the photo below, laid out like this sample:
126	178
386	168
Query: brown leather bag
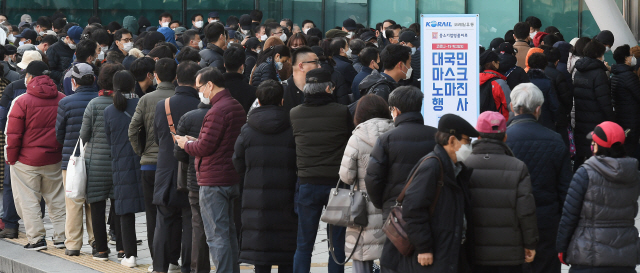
394	226
183	168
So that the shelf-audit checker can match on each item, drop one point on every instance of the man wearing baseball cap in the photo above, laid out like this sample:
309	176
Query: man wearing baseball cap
28	36
442	179
35	157
214	17
508	66
349	26
410	39
501	200
70	113
61	53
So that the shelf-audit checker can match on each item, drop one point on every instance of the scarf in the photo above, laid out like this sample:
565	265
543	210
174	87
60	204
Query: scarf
106	93
319	99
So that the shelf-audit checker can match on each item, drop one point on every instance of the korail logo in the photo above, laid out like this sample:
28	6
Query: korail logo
438	24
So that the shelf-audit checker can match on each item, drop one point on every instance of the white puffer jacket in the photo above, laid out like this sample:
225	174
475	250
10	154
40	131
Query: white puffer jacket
354	168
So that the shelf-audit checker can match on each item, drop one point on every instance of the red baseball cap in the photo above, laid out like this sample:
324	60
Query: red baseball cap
606	134
490	122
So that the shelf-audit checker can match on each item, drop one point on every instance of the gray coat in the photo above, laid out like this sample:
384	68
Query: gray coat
98	152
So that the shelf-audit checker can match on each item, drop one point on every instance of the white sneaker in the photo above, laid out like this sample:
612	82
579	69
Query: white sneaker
129	262
174	268
150	269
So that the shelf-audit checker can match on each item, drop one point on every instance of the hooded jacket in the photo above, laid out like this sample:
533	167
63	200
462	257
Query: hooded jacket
265	155
515	74
70	113
377	83
592	97
212	56
499	89
353	170
30	132
504	210
595	230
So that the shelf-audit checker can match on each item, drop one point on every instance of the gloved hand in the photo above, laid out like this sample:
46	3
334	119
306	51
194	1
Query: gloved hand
561	257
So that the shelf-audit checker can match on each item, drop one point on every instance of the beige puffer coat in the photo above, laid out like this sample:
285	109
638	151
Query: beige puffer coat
354	168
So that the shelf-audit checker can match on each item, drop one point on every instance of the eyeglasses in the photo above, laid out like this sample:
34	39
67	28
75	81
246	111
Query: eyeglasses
312	62
127	40
200	87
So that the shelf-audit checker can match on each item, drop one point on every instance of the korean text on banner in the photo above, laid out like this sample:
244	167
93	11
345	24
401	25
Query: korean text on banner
450	69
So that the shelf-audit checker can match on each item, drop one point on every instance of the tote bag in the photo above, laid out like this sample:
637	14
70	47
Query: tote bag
76	185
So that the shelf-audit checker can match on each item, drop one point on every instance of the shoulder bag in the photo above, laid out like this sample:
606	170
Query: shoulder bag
183	167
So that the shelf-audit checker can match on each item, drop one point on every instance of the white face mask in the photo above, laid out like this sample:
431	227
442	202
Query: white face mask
464	152
348	52
246	31
127	46
634	62
25	81
305	30
607	49
279	66
263	37
199	24
349	35
104	48
100	56
10	38
533	35
413	50
214	21
408	74
283	37
41	33
72	46
258	50
384	34
200	44
203	99
375	44
21	43
165	24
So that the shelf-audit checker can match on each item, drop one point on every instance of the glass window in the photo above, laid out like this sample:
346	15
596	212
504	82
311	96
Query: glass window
560	14
401	11
336	11
300	10
441	6
81	12
495	20
110	10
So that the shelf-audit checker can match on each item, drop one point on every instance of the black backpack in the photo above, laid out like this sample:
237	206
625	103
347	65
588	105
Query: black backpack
487	103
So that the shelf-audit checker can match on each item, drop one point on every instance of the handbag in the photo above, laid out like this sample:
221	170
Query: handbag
183	168
76	177
346	207
393	227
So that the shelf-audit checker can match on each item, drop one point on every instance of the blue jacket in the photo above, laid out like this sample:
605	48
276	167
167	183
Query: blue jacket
125	163
550	105
366	71
547	158
345	67
70	112
12	91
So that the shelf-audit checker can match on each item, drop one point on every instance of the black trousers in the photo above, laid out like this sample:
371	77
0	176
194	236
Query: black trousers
199	249
99	224
546	260
173	232
126	234
267	268
148	182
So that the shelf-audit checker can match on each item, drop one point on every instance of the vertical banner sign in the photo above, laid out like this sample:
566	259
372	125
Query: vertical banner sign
450	66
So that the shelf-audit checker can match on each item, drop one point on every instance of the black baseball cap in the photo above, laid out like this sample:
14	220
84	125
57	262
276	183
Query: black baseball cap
367	36
245	21
410	37
318	75
349	24
506	49
28	34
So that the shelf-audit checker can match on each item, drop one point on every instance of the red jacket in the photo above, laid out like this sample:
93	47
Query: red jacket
496	90
214	148
31	125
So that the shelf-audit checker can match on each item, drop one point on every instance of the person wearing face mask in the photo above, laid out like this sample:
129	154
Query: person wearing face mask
197	22
86	52
306	25
370	59
42	25
214	17
606	38
61	53
547	159
269	63
592	97
123	40
341	52
243	92
349	26
440	180
245	31
500	183
625	89
251	56
394	155
164	19
534	27
493	85
396	61
410	39
28	36
212	54
217	178
47	41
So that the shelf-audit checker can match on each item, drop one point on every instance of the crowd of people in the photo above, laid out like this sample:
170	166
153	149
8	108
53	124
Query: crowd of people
231	139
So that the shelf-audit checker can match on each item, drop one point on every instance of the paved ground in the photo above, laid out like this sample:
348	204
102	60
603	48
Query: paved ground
44	260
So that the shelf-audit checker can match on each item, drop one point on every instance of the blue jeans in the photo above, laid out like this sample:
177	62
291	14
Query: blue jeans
10	216
311	200
216	208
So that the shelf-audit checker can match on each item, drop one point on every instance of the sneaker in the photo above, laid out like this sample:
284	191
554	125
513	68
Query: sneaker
150	269
59	245
94	251
40	245
121	256
9	233
101	256
129	262
70	252
174	268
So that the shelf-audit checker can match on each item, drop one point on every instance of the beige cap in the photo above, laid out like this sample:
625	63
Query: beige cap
29	56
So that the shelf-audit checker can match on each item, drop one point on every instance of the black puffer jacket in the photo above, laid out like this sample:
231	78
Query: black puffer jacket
264	71
625	89
69	121
564	92
60	56
265	154
515	74
504	210
345	67
595	230
190	124
244	93
342	86
550	105
592	101
442	232
377	84
212	56
394	155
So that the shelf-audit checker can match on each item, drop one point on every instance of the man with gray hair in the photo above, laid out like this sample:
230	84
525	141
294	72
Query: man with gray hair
547	158
321	128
